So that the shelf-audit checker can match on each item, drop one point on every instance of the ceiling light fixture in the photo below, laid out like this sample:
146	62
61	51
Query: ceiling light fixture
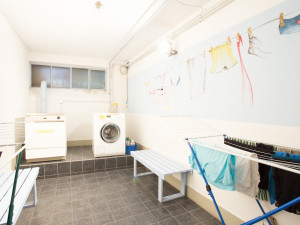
167	47
98	4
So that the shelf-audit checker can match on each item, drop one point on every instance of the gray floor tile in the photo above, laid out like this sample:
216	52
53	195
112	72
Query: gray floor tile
96	200
189	205
84	221
213	221
64	168
112	196
62	218
161	214
100	208
41	220
81	212
154	204
169	221
145	218
187	219
89	165
76	166
103	218
176	209
120	213
115	204
201	215
132	200
138	209
128	221
50	169
79	203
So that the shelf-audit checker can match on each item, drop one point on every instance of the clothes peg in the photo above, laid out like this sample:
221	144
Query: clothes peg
250	32
188	61
228	40
204	54
211	49
281	20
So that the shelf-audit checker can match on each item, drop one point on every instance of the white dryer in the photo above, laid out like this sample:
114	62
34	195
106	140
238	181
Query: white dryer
108	134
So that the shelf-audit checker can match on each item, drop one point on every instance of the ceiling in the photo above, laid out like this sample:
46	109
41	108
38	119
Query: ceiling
77	28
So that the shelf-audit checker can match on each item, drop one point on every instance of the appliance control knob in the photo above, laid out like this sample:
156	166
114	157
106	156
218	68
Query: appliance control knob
58	117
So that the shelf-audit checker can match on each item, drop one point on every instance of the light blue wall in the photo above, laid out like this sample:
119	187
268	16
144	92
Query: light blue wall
275	79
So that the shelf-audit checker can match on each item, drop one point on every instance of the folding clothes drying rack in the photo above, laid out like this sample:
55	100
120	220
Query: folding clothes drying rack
263	161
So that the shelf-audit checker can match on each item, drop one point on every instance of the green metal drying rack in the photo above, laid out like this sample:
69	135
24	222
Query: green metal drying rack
11	206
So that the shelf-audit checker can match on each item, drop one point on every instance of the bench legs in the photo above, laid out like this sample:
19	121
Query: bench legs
173	196
162	198
34	202
135	174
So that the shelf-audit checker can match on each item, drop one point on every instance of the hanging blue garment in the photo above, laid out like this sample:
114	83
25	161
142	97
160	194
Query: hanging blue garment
290	25
271	187
218	167
286	156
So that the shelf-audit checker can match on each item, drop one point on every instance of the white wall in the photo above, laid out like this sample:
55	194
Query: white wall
78	105
14	79
151	132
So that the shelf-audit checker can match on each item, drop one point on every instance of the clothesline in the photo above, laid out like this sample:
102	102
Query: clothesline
254	28
266	162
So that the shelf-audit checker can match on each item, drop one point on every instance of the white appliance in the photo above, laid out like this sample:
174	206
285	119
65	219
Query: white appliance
108	134
45	137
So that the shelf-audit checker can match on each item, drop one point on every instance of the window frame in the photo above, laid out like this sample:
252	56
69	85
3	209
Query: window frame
89	68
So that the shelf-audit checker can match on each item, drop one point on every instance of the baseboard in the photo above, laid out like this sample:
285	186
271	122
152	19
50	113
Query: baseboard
205	203
141	147
79	143
90	142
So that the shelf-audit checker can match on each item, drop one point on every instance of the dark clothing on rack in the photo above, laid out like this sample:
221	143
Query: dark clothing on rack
264	176
262	168
287	185
265	148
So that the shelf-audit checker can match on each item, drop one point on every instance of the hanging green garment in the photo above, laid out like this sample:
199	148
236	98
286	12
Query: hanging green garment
218	167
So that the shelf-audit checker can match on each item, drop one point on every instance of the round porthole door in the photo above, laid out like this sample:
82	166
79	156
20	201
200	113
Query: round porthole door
110	133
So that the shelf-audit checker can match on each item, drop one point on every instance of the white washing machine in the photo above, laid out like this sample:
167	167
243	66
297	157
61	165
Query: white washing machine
108	134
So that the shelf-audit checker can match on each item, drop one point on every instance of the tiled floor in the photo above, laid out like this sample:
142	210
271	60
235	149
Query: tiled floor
79	160
109	197
75	154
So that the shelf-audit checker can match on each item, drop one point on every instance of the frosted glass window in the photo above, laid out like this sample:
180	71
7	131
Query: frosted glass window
67	77
80	78
40	73
97	79
60	77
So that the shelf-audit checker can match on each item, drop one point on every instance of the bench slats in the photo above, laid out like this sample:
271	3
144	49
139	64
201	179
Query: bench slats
7	184
6	199
158	163
153	160
154	168
3	179
168	162
22	195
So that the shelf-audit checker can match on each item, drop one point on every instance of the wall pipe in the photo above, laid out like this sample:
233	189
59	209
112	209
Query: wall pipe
130	39
43	96
215	8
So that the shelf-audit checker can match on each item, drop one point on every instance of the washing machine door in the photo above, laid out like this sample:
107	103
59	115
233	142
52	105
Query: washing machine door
110	133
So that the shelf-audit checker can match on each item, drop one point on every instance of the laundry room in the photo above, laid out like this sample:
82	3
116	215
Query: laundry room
150	112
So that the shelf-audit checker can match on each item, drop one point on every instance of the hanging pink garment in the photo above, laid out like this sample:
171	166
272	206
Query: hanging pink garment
246	83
